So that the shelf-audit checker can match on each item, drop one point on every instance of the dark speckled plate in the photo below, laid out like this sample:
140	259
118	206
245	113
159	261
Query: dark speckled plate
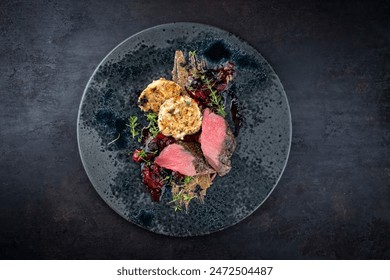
110	98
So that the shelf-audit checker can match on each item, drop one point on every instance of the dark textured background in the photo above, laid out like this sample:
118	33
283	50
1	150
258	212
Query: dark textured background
333	201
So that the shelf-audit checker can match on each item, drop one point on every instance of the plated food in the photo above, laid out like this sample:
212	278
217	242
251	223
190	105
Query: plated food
257	112
187	141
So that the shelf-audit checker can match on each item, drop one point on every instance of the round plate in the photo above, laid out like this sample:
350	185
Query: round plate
263	141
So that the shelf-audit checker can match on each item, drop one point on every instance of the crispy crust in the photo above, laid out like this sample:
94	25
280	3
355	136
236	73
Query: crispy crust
179	116
180	69
156	93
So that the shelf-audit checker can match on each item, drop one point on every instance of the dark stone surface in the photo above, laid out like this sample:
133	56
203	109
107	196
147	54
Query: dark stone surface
333	201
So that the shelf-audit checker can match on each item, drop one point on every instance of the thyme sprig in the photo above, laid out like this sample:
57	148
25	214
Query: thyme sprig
193	53
215	98
183	197
142	154
153	126
187	179
217	101
133	123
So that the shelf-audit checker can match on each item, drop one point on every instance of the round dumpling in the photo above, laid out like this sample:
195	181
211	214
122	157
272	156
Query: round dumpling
179	116
156	93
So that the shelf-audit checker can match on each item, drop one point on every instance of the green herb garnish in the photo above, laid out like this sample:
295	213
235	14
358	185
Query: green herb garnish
154	130
153	126
133	125
187	198
151	117
216	100
184	196
193	53
142	154
177	196
187	179
195	73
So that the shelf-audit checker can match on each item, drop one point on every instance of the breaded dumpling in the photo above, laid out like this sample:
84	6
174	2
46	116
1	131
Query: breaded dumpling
156	93
179	116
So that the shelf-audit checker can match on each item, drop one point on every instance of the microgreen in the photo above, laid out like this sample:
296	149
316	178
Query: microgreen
187	179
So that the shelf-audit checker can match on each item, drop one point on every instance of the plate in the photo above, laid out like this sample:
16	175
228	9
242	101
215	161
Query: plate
111	96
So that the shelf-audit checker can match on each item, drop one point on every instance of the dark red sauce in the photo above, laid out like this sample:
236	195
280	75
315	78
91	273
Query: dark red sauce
237	117
153	178
201	83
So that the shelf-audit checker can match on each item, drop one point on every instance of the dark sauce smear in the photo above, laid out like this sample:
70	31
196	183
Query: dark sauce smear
153	176
203	83
237	117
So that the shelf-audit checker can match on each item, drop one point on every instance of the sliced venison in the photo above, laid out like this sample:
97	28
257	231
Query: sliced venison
185	158
217	142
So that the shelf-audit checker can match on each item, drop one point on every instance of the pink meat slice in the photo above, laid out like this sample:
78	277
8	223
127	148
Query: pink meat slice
185	158
175	157
217	142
